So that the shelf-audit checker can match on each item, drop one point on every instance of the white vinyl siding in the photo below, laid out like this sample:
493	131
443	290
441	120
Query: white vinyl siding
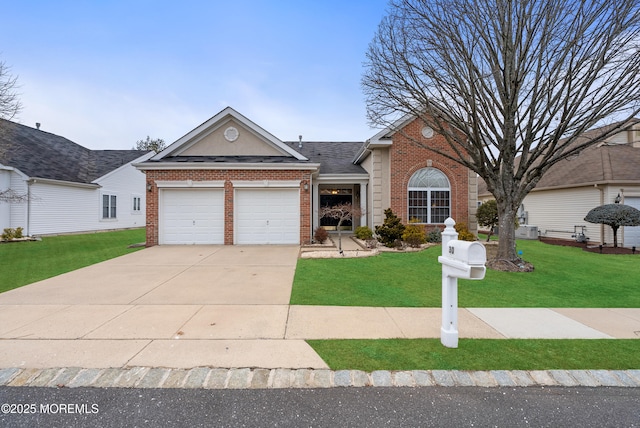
556	212
62	208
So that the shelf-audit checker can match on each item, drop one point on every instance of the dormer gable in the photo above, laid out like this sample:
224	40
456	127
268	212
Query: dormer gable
228	133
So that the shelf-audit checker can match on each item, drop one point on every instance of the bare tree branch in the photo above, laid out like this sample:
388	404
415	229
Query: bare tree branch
512	85
12	197
10	105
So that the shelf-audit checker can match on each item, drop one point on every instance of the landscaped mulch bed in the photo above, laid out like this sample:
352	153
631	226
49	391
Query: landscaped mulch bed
606	249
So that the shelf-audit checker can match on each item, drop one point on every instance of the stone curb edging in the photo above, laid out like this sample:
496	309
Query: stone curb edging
255	378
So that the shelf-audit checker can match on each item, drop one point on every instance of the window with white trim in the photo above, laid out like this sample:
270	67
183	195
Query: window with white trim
109	206
136	205
429	196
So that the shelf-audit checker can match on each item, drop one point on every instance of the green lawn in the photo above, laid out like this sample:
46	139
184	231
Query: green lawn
479	354
22	263
563	277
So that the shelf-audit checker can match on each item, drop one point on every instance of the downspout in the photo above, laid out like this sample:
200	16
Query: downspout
28	208
622	230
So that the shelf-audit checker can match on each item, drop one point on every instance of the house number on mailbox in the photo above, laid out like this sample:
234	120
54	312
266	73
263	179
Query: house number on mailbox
452	250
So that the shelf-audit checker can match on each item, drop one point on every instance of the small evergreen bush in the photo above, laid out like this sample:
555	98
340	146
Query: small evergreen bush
391	229
363	232
414	234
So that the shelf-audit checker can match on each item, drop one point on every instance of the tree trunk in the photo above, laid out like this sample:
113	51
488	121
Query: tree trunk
507	233
615	236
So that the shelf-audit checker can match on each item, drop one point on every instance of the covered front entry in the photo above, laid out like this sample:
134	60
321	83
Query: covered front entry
267	216
331	196
192	216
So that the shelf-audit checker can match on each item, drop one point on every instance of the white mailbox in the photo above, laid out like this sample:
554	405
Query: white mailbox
460	259
464	259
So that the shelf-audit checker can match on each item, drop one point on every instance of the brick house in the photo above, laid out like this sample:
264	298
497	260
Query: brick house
229	181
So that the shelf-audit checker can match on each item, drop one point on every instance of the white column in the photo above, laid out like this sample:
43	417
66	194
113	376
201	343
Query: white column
363	204
315	203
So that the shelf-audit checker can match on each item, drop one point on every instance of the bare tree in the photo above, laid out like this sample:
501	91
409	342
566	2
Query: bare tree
341	212
9	103
510	84
12	197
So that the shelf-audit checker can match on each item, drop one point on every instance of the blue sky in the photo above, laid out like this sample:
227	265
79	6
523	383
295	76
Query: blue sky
108	73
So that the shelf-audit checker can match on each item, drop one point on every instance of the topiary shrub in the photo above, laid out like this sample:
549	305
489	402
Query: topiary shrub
414	234
434	236
391	229
320	235
463	232
18	233
363	232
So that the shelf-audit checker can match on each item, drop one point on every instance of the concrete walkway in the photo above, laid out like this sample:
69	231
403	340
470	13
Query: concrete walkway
227	307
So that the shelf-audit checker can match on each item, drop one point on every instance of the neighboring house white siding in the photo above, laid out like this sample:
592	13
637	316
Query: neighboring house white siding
5	208
65	208
56	207
555	212
62	209
13	214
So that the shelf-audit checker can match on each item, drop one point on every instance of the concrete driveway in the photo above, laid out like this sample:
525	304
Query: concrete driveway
165	306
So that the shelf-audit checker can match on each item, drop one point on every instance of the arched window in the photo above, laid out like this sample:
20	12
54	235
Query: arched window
429	196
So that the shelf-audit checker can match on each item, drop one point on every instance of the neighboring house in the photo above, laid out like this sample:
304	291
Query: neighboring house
67	188
229	181
571	188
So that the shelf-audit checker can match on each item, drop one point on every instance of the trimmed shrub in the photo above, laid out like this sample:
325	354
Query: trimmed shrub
363	232
414	234
321	235
463	232
18	233
391	229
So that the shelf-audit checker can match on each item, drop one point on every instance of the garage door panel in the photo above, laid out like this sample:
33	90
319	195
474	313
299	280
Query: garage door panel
632	234
192	216
267	216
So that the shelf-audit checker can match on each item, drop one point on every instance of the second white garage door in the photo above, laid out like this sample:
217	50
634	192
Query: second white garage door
267	216
632	234
190	216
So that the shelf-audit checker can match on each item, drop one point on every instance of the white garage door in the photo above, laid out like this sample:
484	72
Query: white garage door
190	216
632	234
267	216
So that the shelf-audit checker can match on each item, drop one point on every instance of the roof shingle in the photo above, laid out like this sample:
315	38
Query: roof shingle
41	154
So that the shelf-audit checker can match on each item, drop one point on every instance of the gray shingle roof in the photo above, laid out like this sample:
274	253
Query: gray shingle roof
333	157
41	154
602	162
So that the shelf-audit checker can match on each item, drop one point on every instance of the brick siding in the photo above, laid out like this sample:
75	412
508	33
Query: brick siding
407	157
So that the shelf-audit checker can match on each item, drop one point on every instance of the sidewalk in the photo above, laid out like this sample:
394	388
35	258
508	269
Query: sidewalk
219	315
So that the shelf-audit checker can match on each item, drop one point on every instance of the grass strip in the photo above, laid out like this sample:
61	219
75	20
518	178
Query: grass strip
480	354
23	263
564	277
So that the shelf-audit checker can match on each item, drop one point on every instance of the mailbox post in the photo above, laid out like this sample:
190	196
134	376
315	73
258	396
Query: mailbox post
460	259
